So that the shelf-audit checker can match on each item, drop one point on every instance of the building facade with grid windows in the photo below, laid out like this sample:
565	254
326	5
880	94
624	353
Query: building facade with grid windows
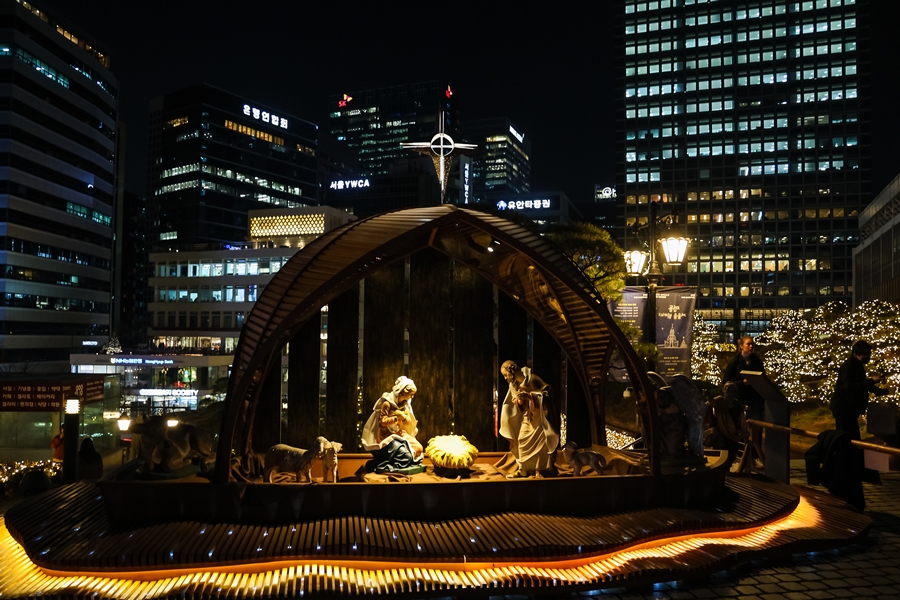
214	156
375	122
502	163
749	120
201	293
58	128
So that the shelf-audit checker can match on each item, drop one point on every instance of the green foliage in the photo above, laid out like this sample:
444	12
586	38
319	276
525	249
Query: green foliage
595	254
803	351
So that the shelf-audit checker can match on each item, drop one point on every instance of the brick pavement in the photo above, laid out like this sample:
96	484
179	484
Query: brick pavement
870	569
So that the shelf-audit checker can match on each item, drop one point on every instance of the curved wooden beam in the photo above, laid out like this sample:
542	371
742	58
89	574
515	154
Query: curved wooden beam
530	269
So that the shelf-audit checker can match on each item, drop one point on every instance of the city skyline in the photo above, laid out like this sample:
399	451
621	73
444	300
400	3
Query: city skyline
264	56
755	123
559	87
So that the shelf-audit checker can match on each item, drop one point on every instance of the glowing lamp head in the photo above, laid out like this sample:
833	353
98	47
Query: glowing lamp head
124	422
172	422
635	261
73	406
674	249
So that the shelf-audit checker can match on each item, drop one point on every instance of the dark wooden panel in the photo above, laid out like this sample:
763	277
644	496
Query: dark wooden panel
512	344
303	386
430	358
383	347
343	334
547	362
512	339
267	420
578	425
473	330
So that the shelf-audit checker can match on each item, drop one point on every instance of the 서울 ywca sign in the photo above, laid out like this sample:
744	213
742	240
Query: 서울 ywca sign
523	204
349	184
265	116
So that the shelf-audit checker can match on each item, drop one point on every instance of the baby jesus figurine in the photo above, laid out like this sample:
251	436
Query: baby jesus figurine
396	418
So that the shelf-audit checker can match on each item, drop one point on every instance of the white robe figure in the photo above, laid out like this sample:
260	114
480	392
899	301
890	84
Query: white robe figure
532	439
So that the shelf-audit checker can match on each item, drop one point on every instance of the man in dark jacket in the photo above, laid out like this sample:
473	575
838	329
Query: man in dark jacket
851	392
737	388
746	394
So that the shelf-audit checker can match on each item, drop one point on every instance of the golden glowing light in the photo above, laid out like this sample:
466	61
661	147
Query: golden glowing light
618	440
451	452
21	577
10	469
287	225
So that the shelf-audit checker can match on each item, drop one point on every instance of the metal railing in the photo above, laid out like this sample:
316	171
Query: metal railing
814	435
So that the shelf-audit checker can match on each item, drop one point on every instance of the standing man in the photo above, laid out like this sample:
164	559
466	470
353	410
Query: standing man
851	392
736	387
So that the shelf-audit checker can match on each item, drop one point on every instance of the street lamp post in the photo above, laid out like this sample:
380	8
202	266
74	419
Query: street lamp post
674	249
70	440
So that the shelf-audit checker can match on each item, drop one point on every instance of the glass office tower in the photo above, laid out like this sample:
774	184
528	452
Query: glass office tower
214	156
57	189
502	162
749	119
375	122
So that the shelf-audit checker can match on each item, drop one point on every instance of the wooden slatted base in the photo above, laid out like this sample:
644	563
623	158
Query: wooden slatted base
65	547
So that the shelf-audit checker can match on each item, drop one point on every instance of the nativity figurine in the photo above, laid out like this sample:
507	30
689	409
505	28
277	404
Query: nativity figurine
523	421
390	432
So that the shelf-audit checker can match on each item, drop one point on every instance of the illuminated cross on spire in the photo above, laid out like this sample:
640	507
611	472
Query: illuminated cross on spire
442	150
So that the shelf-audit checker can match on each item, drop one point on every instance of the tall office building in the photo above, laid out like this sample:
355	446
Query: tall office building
375	122
750	119
502	164
57	187
214	156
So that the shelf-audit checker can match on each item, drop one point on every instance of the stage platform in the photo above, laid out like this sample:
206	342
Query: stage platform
626	485
63	543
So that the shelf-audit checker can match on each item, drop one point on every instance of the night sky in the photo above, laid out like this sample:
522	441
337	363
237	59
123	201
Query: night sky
550	71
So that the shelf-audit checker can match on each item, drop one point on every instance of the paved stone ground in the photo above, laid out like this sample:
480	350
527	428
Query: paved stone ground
870	569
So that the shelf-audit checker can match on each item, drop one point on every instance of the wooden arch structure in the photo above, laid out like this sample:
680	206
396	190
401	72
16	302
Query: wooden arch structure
519	262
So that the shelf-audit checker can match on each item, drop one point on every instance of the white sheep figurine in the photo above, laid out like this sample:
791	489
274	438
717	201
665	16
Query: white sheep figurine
330	461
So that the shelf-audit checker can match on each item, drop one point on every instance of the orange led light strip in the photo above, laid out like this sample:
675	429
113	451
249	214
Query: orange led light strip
19	576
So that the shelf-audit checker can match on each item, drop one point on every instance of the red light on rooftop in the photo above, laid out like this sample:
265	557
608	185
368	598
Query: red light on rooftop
449	92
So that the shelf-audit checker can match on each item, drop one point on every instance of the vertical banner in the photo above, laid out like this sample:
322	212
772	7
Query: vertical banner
674	320
630	309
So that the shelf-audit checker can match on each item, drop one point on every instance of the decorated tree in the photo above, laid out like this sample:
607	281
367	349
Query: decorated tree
803	351
113	346
708	355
